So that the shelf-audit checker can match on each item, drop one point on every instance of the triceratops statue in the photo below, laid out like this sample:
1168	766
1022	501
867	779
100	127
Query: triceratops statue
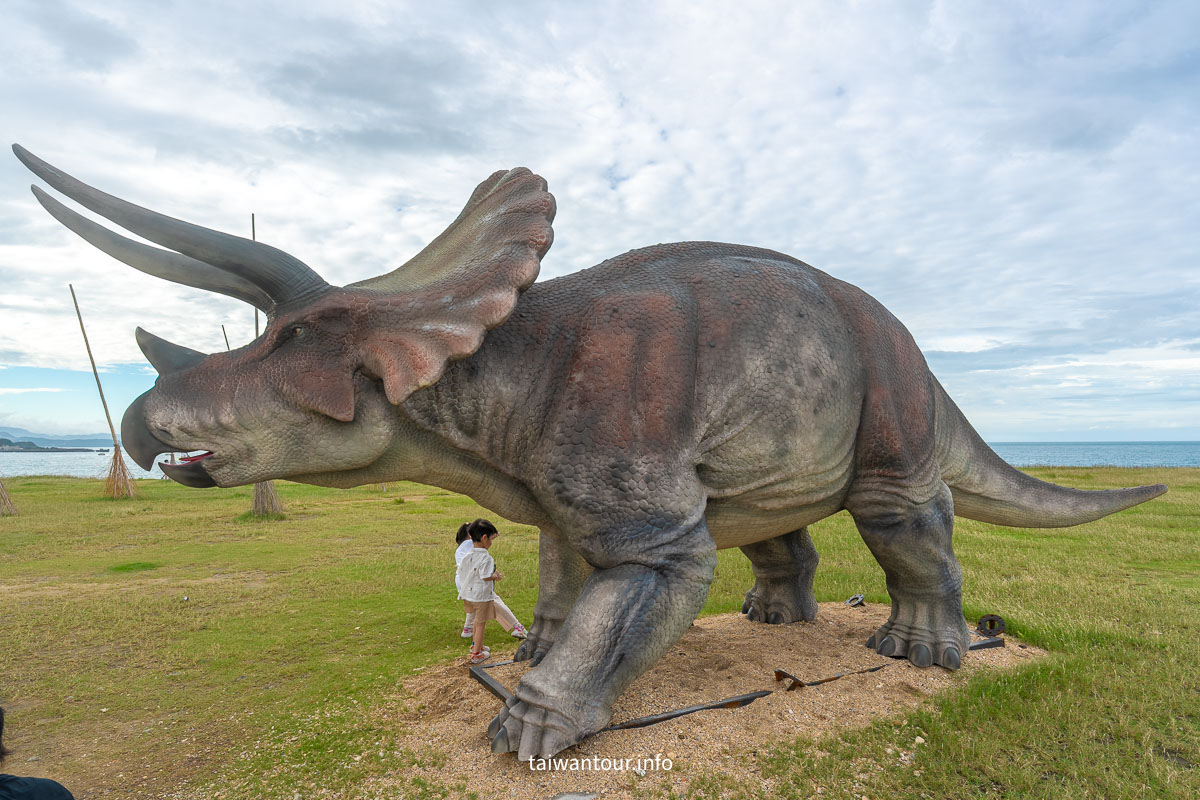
643	414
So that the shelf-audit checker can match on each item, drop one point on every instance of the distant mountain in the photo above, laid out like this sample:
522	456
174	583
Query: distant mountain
65	440
7	446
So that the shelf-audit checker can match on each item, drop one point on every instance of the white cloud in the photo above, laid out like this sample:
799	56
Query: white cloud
5	390
1017	185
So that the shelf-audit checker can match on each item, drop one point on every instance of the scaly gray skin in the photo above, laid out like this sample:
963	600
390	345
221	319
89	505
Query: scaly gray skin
643	414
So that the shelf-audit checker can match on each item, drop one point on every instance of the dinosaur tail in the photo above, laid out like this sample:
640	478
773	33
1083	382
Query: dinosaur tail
987	489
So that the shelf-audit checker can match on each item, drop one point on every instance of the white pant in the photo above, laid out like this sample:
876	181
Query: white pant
504	615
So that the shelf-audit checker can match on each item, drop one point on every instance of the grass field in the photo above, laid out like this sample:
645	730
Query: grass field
168	641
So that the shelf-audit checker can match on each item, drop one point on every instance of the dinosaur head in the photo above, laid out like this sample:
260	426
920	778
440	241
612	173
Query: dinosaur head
315	393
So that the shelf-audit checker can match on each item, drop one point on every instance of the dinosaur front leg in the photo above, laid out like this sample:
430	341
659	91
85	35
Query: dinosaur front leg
561	573
624	619
911	541
784	568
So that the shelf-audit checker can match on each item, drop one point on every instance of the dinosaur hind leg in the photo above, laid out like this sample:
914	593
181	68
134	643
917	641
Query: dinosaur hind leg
783	579
911	541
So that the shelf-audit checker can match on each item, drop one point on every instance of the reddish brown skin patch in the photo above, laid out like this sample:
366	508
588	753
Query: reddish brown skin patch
626	375
895	446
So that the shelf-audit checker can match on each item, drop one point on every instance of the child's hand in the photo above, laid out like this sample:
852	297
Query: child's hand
497	576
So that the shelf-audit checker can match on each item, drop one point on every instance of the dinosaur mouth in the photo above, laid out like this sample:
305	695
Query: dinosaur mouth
190	471
143	446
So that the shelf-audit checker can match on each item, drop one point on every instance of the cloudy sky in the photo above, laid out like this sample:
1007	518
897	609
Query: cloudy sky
1017	182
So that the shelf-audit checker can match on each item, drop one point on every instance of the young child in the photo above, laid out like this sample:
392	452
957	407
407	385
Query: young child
476	578
504	615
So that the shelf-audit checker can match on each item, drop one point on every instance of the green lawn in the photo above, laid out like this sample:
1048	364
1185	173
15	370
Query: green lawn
167	639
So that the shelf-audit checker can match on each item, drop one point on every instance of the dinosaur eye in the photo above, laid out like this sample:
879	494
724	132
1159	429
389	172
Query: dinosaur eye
298	331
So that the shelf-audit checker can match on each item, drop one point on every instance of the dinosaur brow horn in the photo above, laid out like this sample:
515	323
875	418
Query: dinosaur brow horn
153	261
166	357
281	277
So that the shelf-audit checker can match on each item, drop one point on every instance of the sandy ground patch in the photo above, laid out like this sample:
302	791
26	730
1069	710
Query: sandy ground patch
445	711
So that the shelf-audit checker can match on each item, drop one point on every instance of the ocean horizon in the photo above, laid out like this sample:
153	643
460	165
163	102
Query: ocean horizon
1099	454
90	464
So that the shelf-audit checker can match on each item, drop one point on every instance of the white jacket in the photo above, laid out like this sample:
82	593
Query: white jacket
476	565
465	547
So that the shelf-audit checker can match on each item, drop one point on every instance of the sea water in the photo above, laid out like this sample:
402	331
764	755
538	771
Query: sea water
1099	454
88	464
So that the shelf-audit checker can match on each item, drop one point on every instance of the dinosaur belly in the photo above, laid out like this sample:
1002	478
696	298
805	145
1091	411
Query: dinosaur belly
735	525
774	497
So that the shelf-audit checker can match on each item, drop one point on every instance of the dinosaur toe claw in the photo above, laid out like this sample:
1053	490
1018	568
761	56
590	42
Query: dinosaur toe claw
951	659
497	723
919	655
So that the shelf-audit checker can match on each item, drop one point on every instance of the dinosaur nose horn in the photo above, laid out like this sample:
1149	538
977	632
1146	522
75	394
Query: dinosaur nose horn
138	442
165	356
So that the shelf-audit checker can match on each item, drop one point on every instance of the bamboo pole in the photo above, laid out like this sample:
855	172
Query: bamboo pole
7	509
118	485
254	238
266	500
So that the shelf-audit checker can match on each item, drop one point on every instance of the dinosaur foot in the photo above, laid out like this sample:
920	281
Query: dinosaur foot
777	602
539	640
923	634
534	731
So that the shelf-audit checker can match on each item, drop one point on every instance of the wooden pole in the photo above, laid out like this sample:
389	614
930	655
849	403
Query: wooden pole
95	374
266	501
226	335
119	485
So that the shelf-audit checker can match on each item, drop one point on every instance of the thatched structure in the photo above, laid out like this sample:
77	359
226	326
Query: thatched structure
7	509
119	483
266	500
